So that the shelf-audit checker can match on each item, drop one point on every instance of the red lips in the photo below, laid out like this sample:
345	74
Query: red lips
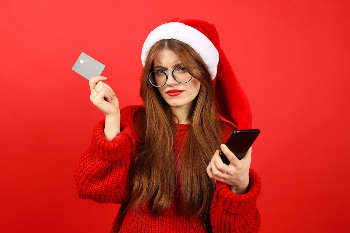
174	92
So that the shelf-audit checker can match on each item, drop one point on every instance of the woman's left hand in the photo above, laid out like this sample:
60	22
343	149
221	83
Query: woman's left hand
236	174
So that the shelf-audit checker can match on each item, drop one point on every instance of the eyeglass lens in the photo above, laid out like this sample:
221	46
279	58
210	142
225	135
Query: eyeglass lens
158	78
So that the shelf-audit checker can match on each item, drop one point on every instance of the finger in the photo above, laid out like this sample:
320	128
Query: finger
210	173
94	80
109	88
216	172
234	161
107	95
225	169
101	97
115	101
228	173
100	86
93	94
219	164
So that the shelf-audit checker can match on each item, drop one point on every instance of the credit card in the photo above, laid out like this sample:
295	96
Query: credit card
87	66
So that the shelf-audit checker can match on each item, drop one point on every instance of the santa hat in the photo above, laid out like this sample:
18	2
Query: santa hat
202	36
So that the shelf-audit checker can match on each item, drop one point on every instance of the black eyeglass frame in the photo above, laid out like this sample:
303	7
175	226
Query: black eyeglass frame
166	76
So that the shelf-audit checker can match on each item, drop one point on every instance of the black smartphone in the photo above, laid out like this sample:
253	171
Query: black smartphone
239	143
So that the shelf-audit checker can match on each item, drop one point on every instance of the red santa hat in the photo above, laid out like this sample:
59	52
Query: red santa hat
203	37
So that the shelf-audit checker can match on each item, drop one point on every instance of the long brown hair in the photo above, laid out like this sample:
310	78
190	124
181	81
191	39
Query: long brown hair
155	174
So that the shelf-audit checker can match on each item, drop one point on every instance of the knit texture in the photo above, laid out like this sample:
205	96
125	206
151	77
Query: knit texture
103	176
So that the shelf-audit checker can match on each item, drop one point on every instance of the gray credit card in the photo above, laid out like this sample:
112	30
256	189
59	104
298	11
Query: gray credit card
87	66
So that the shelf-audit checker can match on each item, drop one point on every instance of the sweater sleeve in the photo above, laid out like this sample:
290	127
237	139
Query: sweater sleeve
230	212
103	171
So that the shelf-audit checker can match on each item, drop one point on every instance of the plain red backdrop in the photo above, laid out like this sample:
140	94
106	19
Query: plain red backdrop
292	58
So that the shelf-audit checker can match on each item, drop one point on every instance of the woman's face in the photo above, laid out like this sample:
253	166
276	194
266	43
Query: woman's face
177	95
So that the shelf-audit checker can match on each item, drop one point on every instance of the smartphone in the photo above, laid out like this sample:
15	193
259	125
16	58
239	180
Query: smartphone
87	66
239	143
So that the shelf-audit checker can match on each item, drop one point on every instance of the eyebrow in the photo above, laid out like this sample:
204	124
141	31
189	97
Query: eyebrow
163	67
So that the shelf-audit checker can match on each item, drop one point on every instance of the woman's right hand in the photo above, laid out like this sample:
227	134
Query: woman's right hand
103	96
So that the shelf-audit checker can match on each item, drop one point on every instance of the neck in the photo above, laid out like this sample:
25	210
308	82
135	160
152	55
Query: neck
182	114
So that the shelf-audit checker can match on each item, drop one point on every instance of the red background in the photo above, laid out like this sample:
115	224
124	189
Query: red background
292	58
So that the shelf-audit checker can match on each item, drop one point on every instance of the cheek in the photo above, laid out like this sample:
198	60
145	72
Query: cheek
195	86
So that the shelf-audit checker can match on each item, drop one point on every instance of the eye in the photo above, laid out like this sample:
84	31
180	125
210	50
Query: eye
181	69
160	71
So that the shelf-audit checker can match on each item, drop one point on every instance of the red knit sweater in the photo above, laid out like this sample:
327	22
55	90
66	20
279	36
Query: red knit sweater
102	175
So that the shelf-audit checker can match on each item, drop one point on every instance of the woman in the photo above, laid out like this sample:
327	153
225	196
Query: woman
161	161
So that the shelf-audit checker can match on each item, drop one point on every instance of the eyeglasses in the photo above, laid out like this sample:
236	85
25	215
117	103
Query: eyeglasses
158	78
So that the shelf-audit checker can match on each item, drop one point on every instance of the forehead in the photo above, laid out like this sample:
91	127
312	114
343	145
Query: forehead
166	57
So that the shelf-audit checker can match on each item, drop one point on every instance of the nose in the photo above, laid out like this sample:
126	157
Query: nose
171	80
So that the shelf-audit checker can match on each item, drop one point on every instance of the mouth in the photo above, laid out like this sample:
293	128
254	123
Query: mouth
174	92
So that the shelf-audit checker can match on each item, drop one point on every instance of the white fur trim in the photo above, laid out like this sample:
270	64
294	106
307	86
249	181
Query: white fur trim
189	35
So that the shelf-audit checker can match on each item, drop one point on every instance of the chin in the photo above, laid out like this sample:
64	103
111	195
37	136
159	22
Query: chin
175	105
